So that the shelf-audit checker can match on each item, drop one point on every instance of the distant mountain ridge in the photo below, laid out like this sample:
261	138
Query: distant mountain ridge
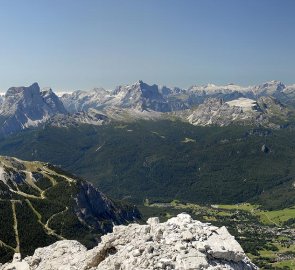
26	107
163	99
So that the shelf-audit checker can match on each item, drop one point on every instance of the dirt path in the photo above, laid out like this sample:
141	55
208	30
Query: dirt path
278	225
56	214
48	230
17	249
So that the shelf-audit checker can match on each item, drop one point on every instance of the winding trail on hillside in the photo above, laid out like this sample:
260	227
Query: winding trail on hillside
17	248
48	230
46	173
54	215
30	181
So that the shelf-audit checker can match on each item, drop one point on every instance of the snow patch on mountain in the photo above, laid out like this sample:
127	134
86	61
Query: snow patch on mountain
246	103
212	88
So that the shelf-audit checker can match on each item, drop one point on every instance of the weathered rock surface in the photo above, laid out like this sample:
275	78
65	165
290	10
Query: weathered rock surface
24	107
91	117
180	243
265	111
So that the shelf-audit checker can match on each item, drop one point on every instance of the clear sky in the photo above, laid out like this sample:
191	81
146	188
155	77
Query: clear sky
81	44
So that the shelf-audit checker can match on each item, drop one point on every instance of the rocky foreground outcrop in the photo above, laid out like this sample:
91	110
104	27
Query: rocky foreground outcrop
180	243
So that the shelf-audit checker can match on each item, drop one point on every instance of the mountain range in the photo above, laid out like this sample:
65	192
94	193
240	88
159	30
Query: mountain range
142	96
270	104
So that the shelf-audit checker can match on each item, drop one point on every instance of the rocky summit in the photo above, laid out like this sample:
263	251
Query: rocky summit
180	243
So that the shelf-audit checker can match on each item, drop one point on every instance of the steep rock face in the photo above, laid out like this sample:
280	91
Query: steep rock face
53	102
42	204
140	96
27	106
180	243
94	208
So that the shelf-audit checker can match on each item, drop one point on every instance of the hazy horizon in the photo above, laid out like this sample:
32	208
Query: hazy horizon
62	91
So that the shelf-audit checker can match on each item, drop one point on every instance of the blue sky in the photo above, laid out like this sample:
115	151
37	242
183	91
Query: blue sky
81	44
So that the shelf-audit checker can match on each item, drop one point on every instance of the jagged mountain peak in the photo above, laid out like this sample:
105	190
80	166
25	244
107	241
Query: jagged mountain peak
140	82
138	85
32	89
47	90
139	96
273	82
24	107
270	88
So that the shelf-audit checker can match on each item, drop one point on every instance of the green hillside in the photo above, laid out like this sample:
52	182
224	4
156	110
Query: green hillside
166	160
40	204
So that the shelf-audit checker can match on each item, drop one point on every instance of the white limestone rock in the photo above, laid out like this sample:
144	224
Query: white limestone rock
17	264
180	243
